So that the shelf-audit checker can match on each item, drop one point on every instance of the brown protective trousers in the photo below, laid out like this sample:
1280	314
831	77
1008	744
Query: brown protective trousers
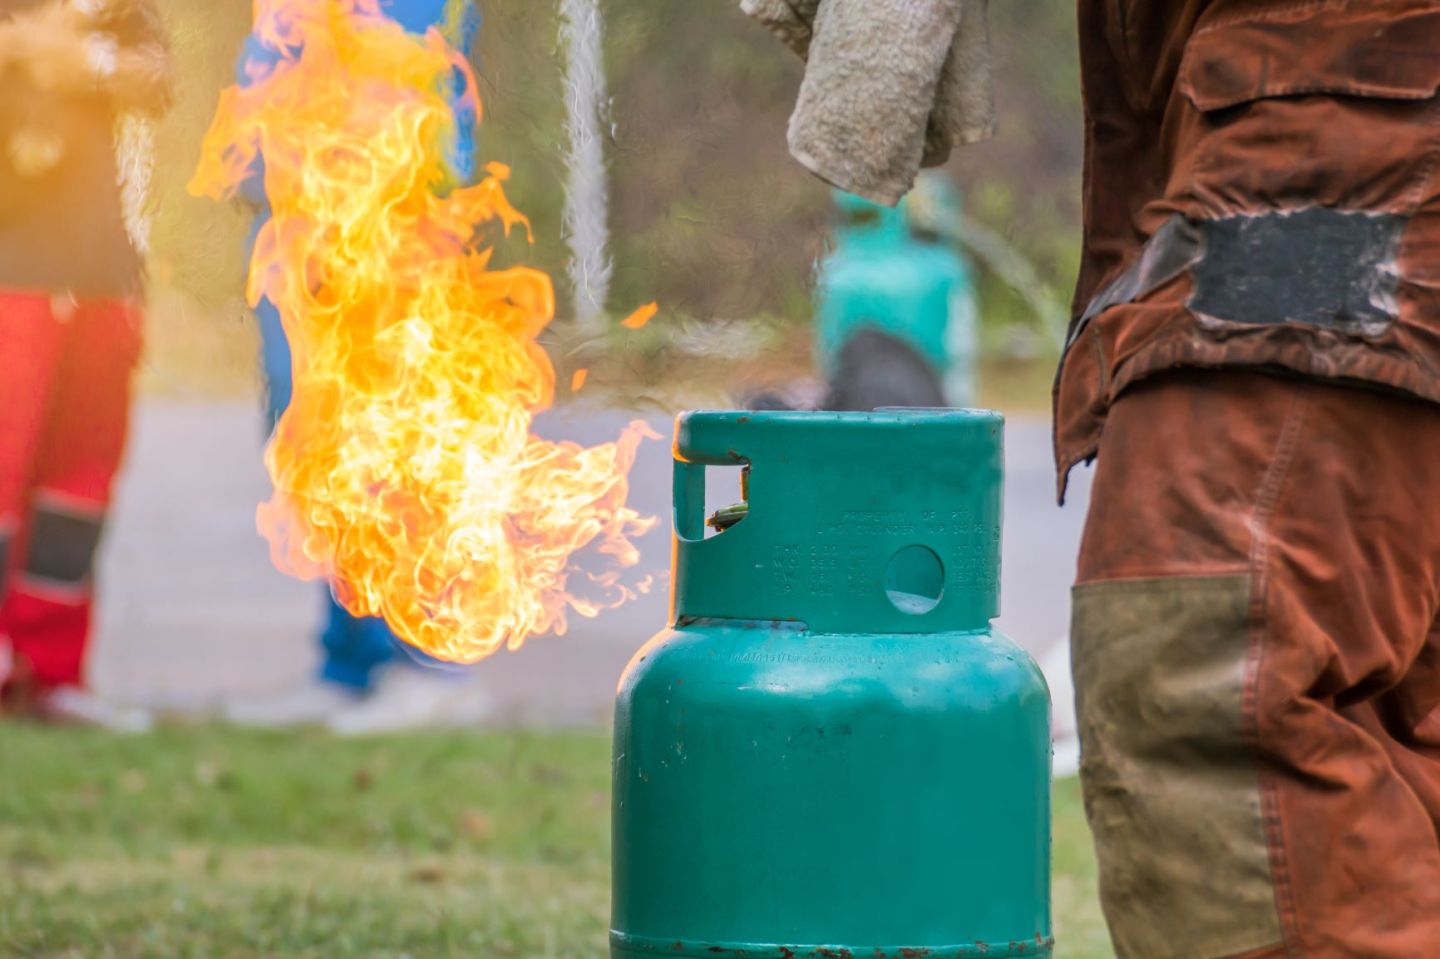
1256	665
1257	668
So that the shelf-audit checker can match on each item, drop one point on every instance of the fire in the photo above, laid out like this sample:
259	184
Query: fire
405	469
640	317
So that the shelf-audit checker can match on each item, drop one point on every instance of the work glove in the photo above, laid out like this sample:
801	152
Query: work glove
890	86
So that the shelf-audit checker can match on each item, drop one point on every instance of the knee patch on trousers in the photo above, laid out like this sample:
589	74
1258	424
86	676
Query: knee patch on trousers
62	546
1169	774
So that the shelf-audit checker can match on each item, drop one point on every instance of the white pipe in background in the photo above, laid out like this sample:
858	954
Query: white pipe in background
587	199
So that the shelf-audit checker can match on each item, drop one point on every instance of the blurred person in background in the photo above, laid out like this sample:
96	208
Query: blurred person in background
896	319
70	286
367	680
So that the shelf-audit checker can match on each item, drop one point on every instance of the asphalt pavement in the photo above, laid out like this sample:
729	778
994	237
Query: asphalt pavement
192	612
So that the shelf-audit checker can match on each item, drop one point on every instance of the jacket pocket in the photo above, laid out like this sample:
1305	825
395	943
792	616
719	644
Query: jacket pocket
1385	50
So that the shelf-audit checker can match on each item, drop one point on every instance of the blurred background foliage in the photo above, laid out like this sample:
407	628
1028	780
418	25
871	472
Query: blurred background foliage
709	214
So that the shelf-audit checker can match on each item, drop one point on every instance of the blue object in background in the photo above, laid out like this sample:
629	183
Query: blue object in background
356	647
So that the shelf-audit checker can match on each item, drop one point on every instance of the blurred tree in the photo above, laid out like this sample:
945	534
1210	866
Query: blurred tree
709	214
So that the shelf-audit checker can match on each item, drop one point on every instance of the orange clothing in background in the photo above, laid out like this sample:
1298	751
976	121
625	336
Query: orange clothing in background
65	371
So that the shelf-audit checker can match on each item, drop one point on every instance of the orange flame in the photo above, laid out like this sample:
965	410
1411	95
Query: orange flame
404	469
577	379
641	316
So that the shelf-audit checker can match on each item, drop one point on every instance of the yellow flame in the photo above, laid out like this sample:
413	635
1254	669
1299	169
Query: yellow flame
405	469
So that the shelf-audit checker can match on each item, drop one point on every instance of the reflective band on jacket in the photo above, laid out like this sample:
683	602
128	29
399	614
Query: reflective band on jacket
62	546
1314	266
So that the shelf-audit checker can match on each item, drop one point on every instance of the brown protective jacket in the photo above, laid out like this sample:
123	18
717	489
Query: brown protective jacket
1260	191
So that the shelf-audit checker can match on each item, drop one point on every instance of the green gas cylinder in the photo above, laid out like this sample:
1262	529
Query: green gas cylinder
896	314
830	752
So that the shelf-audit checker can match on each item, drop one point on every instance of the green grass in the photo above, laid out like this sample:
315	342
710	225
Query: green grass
205	842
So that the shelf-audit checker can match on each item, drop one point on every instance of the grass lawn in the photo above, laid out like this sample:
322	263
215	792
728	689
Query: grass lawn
209	843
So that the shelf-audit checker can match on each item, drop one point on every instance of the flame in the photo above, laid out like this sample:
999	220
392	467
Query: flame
577	379
405	469
641	316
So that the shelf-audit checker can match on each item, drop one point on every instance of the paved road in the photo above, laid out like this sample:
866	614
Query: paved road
192	611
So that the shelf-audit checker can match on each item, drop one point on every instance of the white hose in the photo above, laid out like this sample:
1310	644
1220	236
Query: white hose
135	162
587	200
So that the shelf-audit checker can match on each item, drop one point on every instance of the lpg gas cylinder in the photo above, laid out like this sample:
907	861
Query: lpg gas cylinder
830	752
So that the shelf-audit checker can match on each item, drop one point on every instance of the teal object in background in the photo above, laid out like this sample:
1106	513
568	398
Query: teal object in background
893	272
830	752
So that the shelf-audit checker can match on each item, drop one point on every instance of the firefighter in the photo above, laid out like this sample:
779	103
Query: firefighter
70	283
1255	362
367	680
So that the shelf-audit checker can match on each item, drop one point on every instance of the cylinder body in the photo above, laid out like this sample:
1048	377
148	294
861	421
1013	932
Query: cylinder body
830	752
